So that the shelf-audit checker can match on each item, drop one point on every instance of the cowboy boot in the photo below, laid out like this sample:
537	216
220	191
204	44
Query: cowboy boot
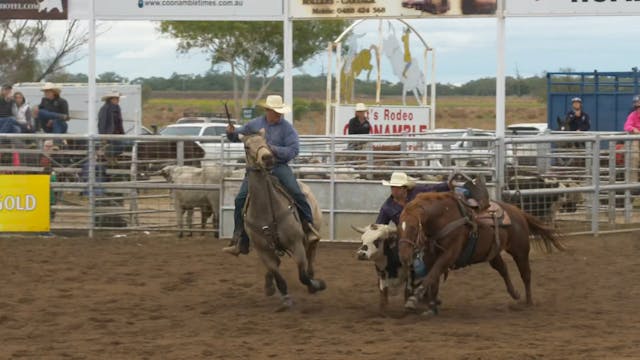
312	233
236	246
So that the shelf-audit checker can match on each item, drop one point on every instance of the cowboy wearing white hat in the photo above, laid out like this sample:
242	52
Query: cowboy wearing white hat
53	112
110	122
283	141
359	125
403	190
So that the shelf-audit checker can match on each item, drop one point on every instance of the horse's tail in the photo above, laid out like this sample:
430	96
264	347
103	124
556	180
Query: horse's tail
546	237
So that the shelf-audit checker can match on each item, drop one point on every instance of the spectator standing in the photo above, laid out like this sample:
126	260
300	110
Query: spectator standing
8	123
632	125
577	119
110	123
53	112
359	125
23	113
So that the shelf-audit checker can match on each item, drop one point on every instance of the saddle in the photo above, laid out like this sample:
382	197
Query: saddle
478	209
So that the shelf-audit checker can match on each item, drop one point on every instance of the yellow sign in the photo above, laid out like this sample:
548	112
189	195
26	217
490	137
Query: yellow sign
24	203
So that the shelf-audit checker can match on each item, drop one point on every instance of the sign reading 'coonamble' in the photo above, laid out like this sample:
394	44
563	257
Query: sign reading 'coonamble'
385	120
34	9
187	9
572	7
24	203
390	8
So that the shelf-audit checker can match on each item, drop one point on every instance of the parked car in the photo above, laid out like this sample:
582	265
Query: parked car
213	149
463	153
203	119
528	153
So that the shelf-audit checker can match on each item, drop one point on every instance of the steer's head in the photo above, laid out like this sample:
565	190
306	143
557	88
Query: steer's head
373	239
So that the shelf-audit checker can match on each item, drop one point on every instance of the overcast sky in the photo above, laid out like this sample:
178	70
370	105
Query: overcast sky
466	48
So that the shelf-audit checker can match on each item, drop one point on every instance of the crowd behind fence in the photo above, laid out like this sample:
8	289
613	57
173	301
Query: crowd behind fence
579	183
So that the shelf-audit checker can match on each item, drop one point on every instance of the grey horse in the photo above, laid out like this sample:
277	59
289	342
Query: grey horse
273	224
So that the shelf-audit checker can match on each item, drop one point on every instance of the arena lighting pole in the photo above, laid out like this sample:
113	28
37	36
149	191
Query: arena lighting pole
91	128
500	100
288	56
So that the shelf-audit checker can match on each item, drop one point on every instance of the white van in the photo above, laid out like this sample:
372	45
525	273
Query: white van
77	95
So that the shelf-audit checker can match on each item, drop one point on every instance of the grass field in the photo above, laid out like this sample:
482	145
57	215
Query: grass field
451	112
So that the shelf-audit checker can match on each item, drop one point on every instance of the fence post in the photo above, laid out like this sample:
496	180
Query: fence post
91	185
180	153
628	200
332	189
500	166
133	202
612	180
595	179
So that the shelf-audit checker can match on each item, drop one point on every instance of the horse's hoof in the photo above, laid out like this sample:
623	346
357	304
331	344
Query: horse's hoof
411	303
429	313
515	295
317	285
286	305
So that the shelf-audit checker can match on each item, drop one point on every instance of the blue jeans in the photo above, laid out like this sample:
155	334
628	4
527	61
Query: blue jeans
60	126
9	125
288	180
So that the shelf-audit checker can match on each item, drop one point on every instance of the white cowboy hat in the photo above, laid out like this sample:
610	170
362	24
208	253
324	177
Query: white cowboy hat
399	179
361	107
275	103
51	86
112	94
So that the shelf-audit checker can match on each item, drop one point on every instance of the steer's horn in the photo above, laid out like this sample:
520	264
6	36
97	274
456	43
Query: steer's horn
360	230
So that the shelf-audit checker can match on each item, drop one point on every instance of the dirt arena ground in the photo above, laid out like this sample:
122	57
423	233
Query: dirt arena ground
157	297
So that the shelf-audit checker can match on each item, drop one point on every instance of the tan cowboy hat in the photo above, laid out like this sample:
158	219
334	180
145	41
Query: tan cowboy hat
112	94
275	103
361	107
399	179
51	86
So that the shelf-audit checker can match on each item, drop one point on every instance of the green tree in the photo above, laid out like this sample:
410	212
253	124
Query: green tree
252	49
111	77
20	42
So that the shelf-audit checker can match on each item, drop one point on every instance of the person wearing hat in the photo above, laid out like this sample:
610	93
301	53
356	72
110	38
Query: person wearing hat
577	119
403	190
53	112
359	125
283	141
110	122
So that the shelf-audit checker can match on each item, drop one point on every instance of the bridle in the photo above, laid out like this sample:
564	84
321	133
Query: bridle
252	161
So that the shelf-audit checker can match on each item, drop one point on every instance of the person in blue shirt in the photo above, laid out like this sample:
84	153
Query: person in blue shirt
403	190
283	141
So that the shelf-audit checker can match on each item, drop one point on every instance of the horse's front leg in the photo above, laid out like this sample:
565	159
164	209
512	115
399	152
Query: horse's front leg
430	282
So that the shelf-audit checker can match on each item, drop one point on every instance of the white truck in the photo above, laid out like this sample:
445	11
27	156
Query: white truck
77	95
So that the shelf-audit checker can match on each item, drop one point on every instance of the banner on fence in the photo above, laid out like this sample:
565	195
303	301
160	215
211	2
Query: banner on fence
34	9
187	9
385	120
571	7
24	203
302	9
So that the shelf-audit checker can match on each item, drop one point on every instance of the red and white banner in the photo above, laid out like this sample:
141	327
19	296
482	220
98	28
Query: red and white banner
385	120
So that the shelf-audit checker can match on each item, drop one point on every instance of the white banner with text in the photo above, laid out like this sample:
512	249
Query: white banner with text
385	120
188	9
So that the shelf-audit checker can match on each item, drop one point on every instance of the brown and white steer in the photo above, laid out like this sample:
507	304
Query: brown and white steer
379	245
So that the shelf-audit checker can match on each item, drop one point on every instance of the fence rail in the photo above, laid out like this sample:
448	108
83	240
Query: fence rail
580	183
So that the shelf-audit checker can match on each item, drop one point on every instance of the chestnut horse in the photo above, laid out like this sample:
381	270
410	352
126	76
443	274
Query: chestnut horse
438	227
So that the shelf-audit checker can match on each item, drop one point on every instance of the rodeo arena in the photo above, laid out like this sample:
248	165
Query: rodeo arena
124	246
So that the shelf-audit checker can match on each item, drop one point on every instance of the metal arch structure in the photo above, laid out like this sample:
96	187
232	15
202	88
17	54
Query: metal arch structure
335	47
